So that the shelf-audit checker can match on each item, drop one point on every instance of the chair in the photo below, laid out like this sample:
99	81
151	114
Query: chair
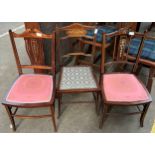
147	58
109	41
98	44
75	78
31	90
120	86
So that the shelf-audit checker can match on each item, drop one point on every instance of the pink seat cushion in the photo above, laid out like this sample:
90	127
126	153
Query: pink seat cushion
31	88
123	88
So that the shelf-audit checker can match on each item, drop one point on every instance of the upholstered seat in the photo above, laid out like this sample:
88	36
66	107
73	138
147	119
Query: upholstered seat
148	51
77	77
101	29
123	88
31	88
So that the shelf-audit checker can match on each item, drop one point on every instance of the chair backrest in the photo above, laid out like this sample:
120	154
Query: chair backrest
77	32
33	36
122	44
35	57
148	51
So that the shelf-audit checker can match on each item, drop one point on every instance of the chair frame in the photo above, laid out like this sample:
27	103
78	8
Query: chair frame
75	33
37	35
100	45
143	62
120	57
97	45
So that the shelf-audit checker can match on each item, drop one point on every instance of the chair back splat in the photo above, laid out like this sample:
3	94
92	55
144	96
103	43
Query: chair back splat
121	49
33	37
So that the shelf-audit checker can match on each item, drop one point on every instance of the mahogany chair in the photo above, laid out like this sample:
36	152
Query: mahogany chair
76	78
147	58
31	90
98	44
120	86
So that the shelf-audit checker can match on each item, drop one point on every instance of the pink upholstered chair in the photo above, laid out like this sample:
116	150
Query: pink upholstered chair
119	85
31	90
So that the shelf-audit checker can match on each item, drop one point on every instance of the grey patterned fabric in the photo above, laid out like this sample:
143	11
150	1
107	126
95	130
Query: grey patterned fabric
77	77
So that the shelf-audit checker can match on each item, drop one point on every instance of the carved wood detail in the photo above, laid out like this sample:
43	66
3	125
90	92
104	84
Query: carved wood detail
76	30
34	47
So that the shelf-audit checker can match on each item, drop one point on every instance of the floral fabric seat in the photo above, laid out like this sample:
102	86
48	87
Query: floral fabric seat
77	77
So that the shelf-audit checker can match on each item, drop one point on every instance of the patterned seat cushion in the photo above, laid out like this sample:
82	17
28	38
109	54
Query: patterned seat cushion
31	88
77	77
102	29
148	51
123	88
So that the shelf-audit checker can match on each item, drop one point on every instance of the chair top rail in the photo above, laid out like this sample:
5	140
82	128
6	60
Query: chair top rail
36	67
32	33
75	26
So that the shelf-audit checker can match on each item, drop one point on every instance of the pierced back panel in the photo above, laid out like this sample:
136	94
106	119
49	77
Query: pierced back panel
35	51
121	48
34	47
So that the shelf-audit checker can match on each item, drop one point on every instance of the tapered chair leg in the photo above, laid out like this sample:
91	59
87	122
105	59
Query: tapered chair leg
100	108
100	104
98	99
59	104
104	114
53	118
11	117
97	103
95	95
146	106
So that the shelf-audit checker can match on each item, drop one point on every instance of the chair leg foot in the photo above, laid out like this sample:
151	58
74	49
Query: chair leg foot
13	126
146	106
53	118
103	117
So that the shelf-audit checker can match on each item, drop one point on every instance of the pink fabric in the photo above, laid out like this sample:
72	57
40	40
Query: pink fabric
123	87
31	88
